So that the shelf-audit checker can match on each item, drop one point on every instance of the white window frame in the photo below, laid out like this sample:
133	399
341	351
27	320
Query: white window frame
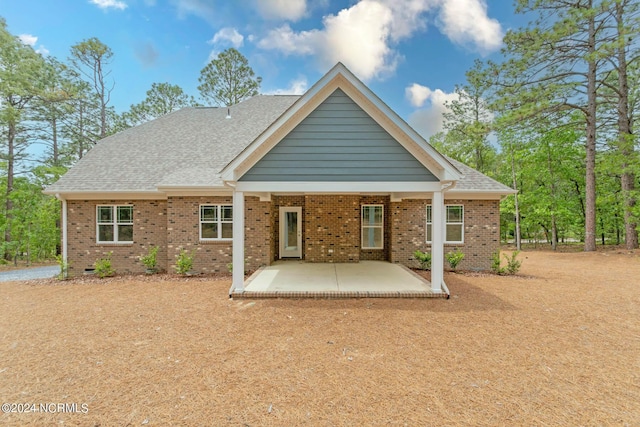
447	222
363	226
219	221
114	223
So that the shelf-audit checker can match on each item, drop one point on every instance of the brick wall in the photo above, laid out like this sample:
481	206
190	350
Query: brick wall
149	229
183	231
331	232
332	228
481	232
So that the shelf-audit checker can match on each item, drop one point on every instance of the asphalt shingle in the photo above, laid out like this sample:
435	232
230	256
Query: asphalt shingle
190	147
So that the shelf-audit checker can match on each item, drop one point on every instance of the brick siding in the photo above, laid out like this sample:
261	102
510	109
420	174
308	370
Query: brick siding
149	229
481	232
332	225
331	232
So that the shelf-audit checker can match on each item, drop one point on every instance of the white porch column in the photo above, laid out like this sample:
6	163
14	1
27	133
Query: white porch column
238	240
437	241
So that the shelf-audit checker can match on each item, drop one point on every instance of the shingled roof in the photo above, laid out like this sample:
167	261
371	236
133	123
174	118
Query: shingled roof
190	147
186	148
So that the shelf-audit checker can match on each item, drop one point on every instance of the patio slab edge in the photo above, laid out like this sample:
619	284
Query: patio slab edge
334	294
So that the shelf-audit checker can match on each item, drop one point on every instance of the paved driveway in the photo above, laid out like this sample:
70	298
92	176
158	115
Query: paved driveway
30	273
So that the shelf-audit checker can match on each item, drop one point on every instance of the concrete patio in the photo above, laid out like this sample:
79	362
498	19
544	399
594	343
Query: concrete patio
366	279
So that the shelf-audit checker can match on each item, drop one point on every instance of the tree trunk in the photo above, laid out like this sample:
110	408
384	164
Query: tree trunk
625	137
590	144
11	135
518	235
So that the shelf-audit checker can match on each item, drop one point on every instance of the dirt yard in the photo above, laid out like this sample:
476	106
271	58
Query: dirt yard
557	345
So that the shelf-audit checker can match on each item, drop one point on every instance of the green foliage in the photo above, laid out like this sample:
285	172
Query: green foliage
64	267
150	260
424	258
454	258
184	263
162	98
512	267
228	79
103	266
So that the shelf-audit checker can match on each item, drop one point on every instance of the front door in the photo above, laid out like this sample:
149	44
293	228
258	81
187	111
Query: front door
290	233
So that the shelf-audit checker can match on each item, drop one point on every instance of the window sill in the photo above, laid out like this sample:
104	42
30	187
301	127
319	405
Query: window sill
215	242
114	243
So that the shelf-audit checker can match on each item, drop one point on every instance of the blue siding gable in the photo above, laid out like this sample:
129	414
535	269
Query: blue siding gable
338	142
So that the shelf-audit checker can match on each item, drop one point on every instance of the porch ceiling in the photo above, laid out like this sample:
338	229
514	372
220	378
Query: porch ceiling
366	279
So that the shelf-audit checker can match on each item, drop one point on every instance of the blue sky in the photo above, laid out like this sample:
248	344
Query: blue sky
411	53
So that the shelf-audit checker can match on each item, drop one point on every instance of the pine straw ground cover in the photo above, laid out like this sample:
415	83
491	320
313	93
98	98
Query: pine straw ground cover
557	345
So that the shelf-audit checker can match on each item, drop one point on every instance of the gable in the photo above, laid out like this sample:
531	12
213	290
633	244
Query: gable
338	142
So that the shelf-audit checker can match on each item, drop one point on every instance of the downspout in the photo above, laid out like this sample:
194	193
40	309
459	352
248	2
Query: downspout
446	187
232	287
63	219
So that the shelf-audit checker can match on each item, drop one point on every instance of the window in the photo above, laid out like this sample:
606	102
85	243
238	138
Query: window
372	226
454	218
115	224
216	222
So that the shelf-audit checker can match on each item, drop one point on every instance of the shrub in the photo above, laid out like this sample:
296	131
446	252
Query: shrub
184	262
513	264
64	268
103	266
495	263
150	260
424	258
454	258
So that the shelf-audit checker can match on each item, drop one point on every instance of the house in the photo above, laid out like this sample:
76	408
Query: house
333	176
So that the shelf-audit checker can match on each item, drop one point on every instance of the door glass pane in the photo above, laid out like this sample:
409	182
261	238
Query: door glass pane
454	213
291	240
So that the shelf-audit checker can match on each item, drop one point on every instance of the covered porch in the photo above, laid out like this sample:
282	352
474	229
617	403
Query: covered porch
365	279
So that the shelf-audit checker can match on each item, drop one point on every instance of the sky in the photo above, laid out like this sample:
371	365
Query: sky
411	53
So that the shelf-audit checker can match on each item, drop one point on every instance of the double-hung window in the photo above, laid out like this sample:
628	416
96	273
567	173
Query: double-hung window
114	224
216	222
372	226
454	219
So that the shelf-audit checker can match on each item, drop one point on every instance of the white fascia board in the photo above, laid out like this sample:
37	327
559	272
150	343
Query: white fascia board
476	195
108	195
195	191
338	187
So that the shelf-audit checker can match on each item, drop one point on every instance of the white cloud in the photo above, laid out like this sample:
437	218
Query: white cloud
417	94
228	36
106	4
42	51
199	8
28	39
296	87
364	35
428	121
31	40
290	10
466	23
356	36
